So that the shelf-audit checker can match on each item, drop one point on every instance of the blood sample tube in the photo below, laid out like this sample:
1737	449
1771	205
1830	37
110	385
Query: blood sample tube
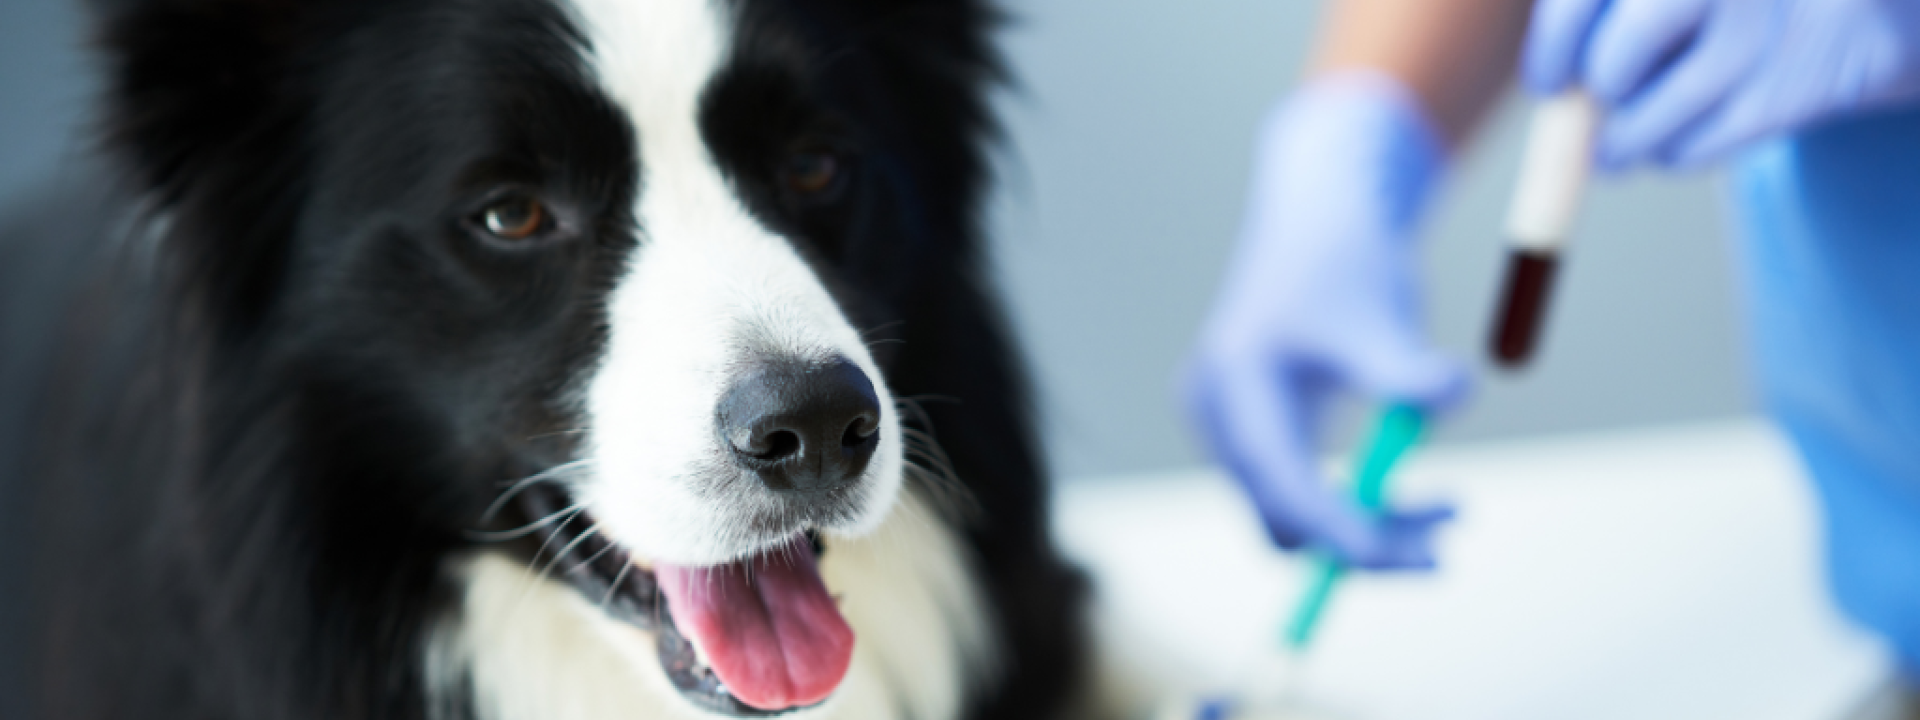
1546	198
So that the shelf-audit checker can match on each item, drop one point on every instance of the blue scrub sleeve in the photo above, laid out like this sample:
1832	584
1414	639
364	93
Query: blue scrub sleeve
1832	222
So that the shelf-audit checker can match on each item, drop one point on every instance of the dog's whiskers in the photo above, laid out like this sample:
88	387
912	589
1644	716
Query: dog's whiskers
925	462
882	326
528	529
532	580
519	486
590	559
547	569
557	529
619	577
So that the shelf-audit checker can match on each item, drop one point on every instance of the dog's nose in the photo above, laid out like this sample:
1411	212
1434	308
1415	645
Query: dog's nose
802	425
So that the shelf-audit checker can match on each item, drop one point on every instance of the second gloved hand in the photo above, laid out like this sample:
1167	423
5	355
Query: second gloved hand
1688	81
1320	302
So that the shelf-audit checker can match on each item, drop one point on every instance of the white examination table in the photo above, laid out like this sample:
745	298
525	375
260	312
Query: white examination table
1651	574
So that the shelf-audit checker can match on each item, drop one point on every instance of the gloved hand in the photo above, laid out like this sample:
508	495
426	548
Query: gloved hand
1687	82
1320	300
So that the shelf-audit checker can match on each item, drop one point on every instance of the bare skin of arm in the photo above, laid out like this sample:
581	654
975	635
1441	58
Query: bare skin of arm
1456	56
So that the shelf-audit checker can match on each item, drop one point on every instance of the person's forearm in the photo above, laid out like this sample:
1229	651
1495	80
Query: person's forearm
1455	56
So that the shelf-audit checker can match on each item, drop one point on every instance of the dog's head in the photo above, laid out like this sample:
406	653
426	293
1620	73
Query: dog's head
610	269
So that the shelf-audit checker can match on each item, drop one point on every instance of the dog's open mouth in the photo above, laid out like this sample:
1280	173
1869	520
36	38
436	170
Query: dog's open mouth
754	637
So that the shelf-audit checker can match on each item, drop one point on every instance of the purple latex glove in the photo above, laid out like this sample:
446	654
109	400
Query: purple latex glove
1320	300
1687	82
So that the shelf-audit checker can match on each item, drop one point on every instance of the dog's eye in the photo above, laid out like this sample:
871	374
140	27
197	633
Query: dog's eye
812	173
515	217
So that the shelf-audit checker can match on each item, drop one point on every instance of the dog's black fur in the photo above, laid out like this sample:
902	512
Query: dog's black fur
256	386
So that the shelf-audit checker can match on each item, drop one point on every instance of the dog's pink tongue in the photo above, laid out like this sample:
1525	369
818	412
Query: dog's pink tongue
767	625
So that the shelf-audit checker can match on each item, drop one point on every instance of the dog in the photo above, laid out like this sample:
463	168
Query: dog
516	359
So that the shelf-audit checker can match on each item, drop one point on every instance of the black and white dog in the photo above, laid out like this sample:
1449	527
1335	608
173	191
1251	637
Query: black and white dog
526	359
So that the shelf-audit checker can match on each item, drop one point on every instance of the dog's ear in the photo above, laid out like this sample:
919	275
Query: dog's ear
208	108
201	88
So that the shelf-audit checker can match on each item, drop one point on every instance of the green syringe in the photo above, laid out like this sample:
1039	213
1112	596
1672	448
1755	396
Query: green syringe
1399	427
1273	689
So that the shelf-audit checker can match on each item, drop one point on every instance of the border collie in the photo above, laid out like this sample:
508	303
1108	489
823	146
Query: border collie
527	360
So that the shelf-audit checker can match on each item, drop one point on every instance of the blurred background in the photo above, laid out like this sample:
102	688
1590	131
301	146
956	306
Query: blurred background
45	86
1129	138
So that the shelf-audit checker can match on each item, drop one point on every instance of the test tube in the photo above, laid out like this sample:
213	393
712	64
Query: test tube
1546	199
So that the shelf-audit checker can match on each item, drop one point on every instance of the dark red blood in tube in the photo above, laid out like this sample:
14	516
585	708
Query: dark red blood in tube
1523	305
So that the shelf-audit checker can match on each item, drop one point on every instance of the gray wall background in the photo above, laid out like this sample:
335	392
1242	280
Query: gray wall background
1122	187
44	88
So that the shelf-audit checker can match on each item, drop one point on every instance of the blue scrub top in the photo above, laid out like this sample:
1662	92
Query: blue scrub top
1832	220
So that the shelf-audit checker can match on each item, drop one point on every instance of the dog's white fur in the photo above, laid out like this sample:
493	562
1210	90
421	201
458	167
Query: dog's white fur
709	289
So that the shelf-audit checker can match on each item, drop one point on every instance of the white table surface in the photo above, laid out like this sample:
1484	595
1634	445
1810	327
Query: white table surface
1667	573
